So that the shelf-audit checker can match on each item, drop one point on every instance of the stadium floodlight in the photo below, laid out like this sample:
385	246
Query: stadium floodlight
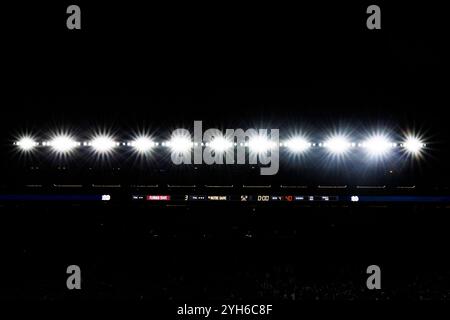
260	144
62	144
103	144
143	144
298	144
220	144
377	145
337	144
180	144
413	145
26	144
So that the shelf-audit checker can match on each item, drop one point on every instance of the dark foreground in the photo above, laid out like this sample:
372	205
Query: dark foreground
226	253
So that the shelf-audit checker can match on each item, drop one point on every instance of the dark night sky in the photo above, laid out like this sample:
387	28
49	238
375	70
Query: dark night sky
313	65
293	59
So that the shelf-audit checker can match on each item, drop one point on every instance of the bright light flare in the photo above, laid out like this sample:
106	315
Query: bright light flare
103	144
377	145
413	145
26	144
260	144
298	144
337	144
63	144
143	144
220	144
180	144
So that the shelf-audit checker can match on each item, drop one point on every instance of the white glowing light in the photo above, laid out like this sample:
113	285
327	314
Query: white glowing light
26	144
298	144
62	143
180	144
103	144
220	144
377	145
143	144
413	145
337	144
260	144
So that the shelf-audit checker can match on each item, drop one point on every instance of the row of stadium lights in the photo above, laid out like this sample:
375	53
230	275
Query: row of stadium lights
338	144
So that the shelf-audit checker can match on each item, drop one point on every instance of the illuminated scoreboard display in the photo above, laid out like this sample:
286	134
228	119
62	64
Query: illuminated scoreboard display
294	199
234	198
